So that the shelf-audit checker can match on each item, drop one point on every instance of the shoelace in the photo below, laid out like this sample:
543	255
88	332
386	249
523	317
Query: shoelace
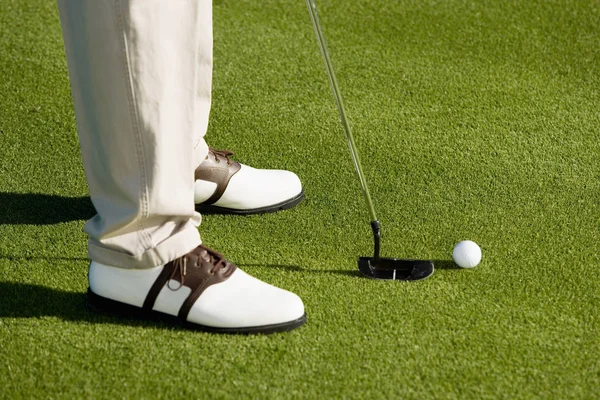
180	265
221	153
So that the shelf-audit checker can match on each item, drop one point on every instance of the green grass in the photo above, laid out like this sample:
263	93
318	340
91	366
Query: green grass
474	119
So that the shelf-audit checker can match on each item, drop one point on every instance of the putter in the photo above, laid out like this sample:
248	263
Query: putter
375	267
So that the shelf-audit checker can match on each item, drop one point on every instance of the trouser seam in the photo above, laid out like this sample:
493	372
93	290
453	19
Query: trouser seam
131	100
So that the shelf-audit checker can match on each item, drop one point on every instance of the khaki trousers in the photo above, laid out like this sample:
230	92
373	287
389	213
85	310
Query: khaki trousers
140	74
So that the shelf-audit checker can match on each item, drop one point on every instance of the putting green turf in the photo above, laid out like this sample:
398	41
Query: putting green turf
474	119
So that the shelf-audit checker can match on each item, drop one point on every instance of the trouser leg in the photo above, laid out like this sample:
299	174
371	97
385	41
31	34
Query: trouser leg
140	74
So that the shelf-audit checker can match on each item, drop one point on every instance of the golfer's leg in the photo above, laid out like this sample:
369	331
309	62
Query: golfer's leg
135	68
203	82
140	76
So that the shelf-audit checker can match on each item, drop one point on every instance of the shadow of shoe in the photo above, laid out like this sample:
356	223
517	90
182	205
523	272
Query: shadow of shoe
43	209
21	300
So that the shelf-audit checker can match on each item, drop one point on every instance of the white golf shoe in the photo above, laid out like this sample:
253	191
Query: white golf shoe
201	290
225	186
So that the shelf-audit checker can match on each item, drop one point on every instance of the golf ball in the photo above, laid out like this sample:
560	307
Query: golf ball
466	254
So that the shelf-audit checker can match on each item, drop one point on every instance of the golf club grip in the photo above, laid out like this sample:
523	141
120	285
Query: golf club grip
312	9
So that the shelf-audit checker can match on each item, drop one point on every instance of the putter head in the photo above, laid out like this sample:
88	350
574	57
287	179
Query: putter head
395	268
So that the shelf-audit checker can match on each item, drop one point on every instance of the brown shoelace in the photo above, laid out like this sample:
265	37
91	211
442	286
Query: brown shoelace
221	154
180	265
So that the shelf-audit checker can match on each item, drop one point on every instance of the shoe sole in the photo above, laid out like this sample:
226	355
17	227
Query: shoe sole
284	205
116	308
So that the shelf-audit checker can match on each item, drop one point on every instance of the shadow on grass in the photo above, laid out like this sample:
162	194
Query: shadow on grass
43	209
295	268
21	300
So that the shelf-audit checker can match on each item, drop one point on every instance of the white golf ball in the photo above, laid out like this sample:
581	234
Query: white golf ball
466	254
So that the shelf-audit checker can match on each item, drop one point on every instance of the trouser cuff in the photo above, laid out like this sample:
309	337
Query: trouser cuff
177	245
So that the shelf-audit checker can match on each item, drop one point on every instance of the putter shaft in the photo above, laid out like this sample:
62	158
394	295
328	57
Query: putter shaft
312	9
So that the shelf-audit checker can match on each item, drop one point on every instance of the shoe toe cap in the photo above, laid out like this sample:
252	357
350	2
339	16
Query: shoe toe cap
244	301
255	188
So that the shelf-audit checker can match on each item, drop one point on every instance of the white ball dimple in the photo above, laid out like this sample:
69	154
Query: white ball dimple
466	254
